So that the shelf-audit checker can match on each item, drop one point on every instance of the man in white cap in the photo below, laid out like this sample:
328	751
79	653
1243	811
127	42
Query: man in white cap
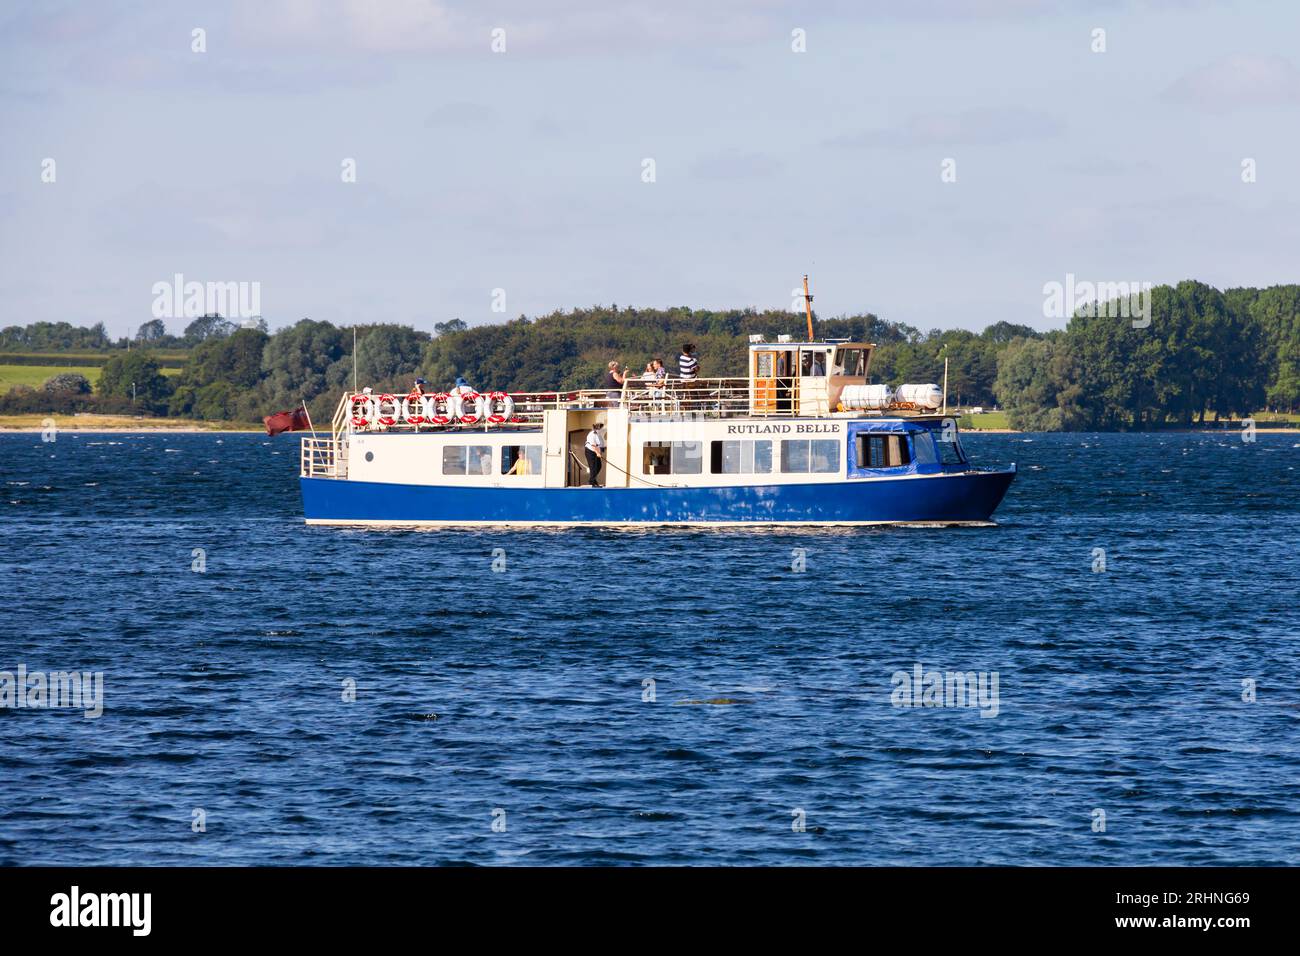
595	451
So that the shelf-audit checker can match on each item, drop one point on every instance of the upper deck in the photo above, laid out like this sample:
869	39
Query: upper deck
786	379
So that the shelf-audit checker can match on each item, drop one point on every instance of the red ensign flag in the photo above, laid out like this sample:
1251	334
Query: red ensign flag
294	421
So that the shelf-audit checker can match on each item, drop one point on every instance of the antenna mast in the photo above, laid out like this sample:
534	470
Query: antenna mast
807	304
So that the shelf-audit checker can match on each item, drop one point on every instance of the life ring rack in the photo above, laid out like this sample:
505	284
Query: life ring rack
439	409
414	402
456	407
362	405
388	421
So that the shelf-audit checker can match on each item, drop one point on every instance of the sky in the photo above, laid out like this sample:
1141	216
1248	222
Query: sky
935	162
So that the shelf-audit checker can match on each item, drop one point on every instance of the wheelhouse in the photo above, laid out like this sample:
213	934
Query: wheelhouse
804	378
895	446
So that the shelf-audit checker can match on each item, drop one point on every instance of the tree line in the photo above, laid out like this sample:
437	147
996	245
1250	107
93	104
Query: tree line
1200	352
66	337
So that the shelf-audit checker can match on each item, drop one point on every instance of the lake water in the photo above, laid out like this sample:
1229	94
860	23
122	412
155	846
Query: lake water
519	698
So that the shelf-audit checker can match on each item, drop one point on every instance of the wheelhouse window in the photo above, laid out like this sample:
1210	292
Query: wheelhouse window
816	456
672	458
950	453
741	457
813	363
467	459
521	460
923	447
850	362
883	451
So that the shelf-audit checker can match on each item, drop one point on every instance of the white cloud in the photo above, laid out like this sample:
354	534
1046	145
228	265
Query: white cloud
731	164
986	127
459	114
1239	82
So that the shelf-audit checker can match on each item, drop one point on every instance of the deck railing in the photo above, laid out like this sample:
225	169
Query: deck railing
324	458
705	397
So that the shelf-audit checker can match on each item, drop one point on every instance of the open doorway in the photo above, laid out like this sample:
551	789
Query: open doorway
576	473
785	382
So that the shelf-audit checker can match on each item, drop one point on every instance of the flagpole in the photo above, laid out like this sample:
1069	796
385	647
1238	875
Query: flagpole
354	360
309	424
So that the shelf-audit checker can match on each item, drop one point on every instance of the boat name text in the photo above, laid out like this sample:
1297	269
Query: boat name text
784	429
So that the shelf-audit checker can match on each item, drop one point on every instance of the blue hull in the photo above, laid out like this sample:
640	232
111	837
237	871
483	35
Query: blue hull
967	497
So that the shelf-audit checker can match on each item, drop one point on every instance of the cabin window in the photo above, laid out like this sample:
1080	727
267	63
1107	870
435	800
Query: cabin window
825	455
850	362
814	364
688	457
521	460
816	456
453	459
656	458
672	458
467	459
883	451
949	448
741	457
923	446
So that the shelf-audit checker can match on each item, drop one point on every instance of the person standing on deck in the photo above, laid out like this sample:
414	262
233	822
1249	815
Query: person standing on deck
595	451
688	366
614	380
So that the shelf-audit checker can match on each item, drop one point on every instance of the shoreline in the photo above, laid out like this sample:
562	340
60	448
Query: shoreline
212	430
91	423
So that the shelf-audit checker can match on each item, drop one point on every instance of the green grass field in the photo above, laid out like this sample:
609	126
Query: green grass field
176	357
36	375
986	420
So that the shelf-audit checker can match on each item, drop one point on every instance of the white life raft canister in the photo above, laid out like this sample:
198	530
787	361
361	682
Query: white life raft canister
862	397
922	396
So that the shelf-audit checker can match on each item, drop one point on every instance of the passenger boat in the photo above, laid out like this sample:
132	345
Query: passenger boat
802	440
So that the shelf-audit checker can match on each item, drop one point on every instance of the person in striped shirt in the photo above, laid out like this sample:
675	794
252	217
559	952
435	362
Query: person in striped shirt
688	366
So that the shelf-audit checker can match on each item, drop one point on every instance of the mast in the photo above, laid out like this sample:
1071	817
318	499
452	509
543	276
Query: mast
945	385
807	304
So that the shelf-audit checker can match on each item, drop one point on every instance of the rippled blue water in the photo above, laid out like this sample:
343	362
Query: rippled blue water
523	691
